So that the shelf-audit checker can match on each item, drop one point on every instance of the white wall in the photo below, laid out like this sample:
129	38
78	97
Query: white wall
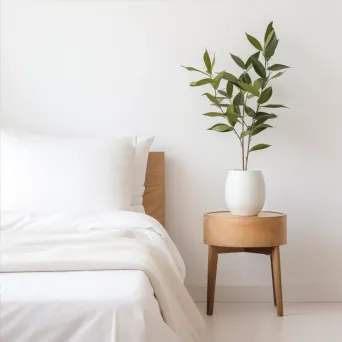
112	67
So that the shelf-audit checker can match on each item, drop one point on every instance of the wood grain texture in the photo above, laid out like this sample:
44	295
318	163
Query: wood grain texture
274	294
277	280
263	234
225	230
212	270
154	195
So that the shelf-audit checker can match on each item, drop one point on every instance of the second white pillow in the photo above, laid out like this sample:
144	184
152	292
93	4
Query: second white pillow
142	149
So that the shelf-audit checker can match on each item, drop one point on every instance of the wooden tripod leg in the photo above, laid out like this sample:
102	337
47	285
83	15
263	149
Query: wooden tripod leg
277	279
212	268
274	294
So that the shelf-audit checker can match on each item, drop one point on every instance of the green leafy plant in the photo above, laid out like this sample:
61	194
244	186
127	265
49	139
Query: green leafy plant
240	100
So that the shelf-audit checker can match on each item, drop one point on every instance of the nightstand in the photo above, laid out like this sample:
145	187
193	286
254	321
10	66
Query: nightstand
262	234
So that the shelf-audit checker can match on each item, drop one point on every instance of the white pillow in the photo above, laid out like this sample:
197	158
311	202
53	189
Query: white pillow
142	149
47	174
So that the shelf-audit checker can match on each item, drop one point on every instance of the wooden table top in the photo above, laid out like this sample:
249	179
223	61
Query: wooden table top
228	214
223	229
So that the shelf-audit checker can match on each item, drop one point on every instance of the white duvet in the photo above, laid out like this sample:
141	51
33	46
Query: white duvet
105	241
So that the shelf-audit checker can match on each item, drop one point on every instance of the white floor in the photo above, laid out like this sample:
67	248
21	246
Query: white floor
259	323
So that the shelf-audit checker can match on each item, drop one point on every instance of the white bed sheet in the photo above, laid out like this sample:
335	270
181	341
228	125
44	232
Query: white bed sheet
92	279
101	306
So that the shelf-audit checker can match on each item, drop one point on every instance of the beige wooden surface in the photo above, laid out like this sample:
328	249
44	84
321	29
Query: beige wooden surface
229	214
154	195
263	234
225	230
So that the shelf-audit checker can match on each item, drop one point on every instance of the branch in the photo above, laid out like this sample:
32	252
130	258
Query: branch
258	107
236	133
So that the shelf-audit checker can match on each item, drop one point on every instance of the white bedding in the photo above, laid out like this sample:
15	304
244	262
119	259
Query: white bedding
50	174
80	306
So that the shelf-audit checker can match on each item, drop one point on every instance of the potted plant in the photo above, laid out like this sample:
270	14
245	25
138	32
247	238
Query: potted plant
243	105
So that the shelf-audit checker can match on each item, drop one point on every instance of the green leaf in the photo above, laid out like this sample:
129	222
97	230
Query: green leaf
216	81
229	77
258	67
277	67
262	126
220	98
221	128
194	69
207	62
254	42
213	62
212	98
275	106
259	128
221	105
213	114
250	96
249	60
263	115
268	39
237	84
223	93
232	122
245	78
249	111
229	89
260	121
231	115
259	147
201	82
238	99
244	133
265	95
261	82
233	118
269	52
251	89
257	83
268	30
231	109
238	61
277	75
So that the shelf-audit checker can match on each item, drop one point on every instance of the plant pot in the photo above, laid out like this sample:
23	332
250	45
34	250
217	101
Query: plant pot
245	192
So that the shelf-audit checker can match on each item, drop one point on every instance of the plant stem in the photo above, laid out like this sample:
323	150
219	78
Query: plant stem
250	137
243	139
243	154
258	107
248	146
243	123
243	128
236	133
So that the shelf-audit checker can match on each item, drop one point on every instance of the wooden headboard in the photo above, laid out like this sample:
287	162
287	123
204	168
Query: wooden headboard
154	196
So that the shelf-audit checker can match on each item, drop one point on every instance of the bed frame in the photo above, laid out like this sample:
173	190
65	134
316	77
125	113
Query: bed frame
154	195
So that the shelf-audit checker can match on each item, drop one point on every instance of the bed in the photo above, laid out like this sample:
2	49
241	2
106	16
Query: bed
90	302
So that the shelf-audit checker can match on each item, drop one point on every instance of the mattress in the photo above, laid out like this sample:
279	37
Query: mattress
81	306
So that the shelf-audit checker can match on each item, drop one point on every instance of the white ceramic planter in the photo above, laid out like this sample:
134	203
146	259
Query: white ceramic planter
245	192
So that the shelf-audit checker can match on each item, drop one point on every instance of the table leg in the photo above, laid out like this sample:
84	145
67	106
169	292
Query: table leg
277	279
212	268
274	294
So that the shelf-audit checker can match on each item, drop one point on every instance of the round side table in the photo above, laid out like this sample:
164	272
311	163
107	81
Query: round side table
262	234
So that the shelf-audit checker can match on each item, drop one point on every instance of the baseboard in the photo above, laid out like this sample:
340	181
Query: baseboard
264	294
